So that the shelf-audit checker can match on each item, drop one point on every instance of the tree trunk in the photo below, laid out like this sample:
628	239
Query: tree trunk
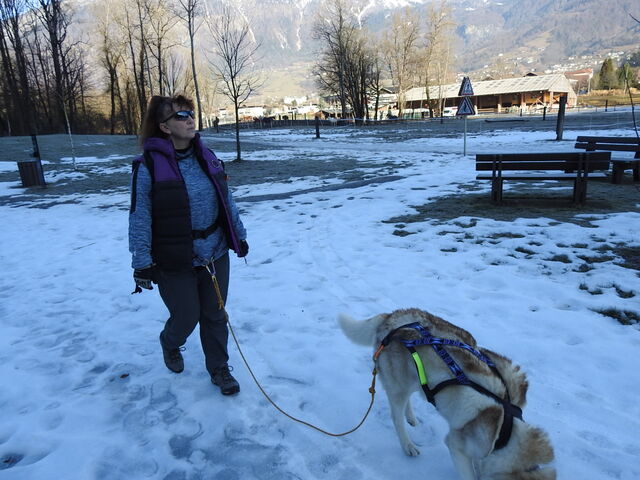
235	106
195	81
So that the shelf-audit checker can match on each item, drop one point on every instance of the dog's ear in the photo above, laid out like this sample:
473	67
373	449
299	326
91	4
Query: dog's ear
362	333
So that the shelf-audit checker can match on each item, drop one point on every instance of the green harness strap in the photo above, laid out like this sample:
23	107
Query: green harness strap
419	367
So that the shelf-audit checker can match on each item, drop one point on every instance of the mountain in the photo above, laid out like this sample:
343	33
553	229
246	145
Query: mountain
509	37
515	35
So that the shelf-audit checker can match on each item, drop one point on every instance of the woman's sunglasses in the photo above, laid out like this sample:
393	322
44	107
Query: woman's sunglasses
181	115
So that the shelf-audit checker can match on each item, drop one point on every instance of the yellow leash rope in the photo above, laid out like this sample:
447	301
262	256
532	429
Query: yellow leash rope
372	388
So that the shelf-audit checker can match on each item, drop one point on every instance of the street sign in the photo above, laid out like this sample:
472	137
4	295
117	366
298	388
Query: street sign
466	107
465	88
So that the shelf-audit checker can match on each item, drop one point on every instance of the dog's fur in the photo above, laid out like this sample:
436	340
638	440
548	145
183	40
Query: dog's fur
474	419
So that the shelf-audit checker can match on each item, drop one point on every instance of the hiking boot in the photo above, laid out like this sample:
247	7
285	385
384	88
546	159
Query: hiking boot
173	358
222	378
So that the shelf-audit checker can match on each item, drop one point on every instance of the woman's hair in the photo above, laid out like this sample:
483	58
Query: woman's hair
158	110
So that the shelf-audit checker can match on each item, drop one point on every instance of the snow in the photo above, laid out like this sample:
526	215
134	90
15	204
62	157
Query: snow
85	394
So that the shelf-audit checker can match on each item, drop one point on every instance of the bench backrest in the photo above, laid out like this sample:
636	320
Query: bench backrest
616	144
564	161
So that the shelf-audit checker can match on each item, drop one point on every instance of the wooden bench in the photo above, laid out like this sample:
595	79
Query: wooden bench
615	144
570	166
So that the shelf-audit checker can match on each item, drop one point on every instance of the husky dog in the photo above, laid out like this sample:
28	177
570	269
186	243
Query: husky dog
477	444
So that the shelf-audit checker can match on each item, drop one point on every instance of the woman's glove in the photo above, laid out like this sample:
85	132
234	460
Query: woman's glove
244	249
143	278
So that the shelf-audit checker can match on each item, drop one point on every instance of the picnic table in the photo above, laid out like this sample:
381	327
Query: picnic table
615	144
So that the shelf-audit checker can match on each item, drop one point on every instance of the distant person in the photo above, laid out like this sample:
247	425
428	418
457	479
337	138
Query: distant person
182	223
216	123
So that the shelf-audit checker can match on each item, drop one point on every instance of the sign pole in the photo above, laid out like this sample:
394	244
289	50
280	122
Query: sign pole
465	136
465	107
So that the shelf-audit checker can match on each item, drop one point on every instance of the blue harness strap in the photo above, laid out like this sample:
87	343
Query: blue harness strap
510	410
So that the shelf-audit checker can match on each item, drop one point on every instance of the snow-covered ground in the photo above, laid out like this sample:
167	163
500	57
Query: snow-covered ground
85	394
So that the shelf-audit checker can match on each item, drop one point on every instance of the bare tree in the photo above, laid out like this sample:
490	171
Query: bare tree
435	56
175	77
161	21
375	75
400	48
334	29
112	57
234	55
39	70
54	21
17	88
133	21
189	13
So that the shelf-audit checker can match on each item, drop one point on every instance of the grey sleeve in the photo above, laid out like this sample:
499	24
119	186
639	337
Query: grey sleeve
235	217
140	218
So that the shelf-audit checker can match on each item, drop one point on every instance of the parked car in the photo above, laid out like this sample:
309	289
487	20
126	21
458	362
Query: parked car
449	111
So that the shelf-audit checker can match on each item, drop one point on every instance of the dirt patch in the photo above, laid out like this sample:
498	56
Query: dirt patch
522	200
630	256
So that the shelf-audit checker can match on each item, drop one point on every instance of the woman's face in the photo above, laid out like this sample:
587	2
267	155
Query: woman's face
180	126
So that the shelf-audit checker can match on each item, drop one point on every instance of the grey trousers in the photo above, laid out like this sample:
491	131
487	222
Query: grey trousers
191	299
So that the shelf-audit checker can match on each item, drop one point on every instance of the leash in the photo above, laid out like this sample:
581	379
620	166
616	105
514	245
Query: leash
372	388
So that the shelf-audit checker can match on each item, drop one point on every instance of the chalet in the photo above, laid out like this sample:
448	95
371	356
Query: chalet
528	93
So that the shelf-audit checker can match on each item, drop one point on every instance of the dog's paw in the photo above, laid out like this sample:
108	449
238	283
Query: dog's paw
411	450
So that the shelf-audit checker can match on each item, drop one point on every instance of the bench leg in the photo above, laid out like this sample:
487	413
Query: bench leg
579	190
496	190
636	172
617	173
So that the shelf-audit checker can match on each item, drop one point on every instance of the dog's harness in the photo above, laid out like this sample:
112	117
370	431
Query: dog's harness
510	410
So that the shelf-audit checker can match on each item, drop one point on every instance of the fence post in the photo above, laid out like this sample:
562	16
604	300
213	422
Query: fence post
560	123
317	126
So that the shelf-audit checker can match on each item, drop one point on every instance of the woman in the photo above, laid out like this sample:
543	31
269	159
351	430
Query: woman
182	223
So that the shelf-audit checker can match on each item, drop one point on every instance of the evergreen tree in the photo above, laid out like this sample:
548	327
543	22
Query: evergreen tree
634	59
608	77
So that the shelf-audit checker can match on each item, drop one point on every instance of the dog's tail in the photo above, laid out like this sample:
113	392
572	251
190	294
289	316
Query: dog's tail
361	332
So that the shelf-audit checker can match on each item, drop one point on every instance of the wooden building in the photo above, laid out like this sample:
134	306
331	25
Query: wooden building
526	93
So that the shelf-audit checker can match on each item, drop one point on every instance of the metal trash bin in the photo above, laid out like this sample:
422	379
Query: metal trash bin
31	173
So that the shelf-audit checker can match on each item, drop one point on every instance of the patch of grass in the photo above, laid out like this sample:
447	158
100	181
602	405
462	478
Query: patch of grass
625	317
624	293
402	233
630	256
562	245
595	291
559	258
526	251
506	235
584	268
449	250
534	243
595	259
472	223
580	245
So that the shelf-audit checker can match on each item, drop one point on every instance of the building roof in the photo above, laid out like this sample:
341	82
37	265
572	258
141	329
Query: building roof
556	83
